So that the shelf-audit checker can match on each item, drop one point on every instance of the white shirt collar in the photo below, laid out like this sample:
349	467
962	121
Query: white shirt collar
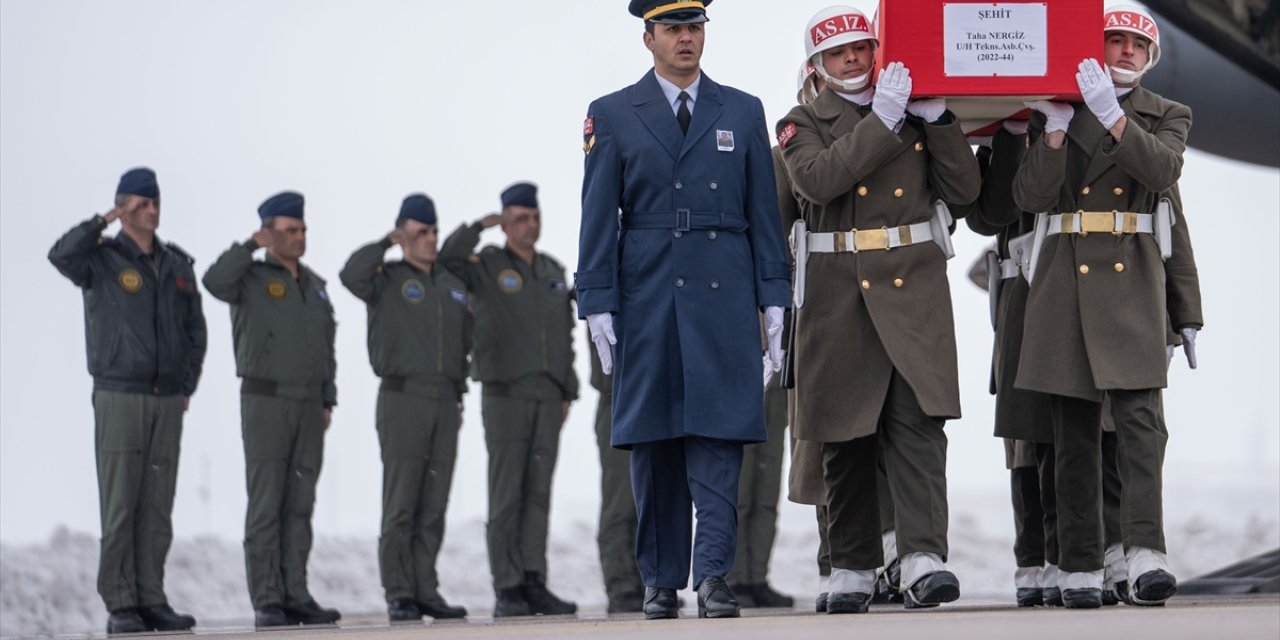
672	92
861	98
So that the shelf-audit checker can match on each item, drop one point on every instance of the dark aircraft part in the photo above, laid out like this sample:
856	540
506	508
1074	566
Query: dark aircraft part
1259	574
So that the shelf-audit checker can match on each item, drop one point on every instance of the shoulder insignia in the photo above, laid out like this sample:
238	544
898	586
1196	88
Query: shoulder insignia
588	134
786	134
510	281
276	289
130	280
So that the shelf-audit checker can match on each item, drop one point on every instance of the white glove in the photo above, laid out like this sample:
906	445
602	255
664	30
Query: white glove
1189	344
773	330
1058	114
1016	127
1099	92
892	91
927	109
601	327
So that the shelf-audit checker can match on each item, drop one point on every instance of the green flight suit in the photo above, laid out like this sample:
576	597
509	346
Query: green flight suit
524	359
283	329
616	535
419	337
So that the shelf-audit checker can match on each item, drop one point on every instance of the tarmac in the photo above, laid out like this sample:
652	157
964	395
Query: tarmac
1198	617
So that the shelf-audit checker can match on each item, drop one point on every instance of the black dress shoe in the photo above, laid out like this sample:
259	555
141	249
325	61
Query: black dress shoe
1153	588
271	616
510	603
541	601
162	617
1122	591
932	590
1109	597
312	613
820	603
765	596
626	603
745	594
1030	596
715	599
850	602
403	610
660	603
1052	597
126	620
1082	598
438	608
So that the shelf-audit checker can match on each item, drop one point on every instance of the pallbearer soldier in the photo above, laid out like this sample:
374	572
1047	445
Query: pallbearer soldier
1097	311
145	338
283	328
419	338
524	360
684	271
876	362
616	535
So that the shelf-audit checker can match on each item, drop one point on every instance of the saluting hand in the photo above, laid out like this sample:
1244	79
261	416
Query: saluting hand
396	236
263	238
113	215
490	220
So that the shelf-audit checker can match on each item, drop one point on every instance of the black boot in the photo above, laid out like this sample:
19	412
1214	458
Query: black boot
1153	588
438	608
886	587
745	594
1082	598
162	617
765	596
312	613
403	610
541	601
271	616
820	602
932	590
1030	596
1052	597
715	599
848	602
125	620
630	602
660	603
510	603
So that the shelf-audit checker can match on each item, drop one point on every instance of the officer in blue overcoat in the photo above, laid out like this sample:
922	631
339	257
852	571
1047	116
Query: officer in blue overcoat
680	249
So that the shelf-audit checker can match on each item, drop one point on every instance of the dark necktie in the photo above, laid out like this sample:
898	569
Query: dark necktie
682	114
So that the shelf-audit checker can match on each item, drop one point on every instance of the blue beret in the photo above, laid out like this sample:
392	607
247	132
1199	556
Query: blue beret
418	207
139	182
670	11
286	203
521	194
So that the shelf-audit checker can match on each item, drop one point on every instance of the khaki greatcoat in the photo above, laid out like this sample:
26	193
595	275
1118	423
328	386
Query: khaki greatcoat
870	313
1096	310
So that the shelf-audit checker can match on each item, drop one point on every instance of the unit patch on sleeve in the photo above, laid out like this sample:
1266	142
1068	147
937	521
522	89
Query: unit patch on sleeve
788	132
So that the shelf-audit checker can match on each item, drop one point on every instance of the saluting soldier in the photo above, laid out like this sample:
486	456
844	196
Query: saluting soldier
420	333
876	362
1097	311
283	328
672	290
616	535
524	362
145	340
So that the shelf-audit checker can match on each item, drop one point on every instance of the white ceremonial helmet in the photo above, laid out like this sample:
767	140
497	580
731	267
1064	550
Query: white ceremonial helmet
834	27
806	83
1136	20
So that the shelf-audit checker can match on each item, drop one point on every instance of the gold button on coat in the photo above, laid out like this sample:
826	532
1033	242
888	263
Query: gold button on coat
862	191
919	146
1119	266
866	284
1085	191
897	282
897	193
1118	191
1084	268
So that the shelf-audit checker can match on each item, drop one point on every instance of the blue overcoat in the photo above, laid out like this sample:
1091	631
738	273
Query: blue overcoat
681	241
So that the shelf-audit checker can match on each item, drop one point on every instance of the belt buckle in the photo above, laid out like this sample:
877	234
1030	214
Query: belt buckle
1097	222
871	239
682	219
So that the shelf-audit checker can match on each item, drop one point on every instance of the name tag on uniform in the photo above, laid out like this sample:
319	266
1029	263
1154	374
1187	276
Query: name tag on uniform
459	296
724	140
559	286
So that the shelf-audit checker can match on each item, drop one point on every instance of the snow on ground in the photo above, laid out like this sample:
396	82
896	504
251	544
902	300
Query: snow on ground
50	588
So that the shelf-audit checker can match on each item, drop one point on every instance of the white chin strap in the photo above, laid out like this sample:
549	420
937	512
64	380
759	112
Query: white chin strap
1126	77
853	85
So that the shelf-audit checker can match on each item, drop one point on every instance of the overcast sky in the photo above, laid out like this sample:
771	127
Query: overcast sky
356	104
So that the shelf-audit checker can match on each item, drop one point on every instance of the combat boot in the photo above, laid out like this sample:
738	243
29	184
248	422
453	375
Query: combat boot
630	602
125	620
270	616
765	596
162	617
510	602
541	601
438	608
403	610
312	613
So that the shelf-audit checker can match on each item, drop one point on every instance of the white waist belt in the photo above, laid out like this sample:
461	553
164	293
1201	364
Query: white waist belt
1086	222
858	240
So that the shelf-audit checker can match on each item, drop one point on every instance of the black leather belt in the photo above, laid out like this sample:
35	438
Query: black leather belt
683	220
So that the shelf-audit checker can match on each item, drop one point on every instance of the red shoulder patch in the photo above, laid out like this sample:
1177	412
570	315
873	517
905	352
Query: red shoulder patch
589	126
788	132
